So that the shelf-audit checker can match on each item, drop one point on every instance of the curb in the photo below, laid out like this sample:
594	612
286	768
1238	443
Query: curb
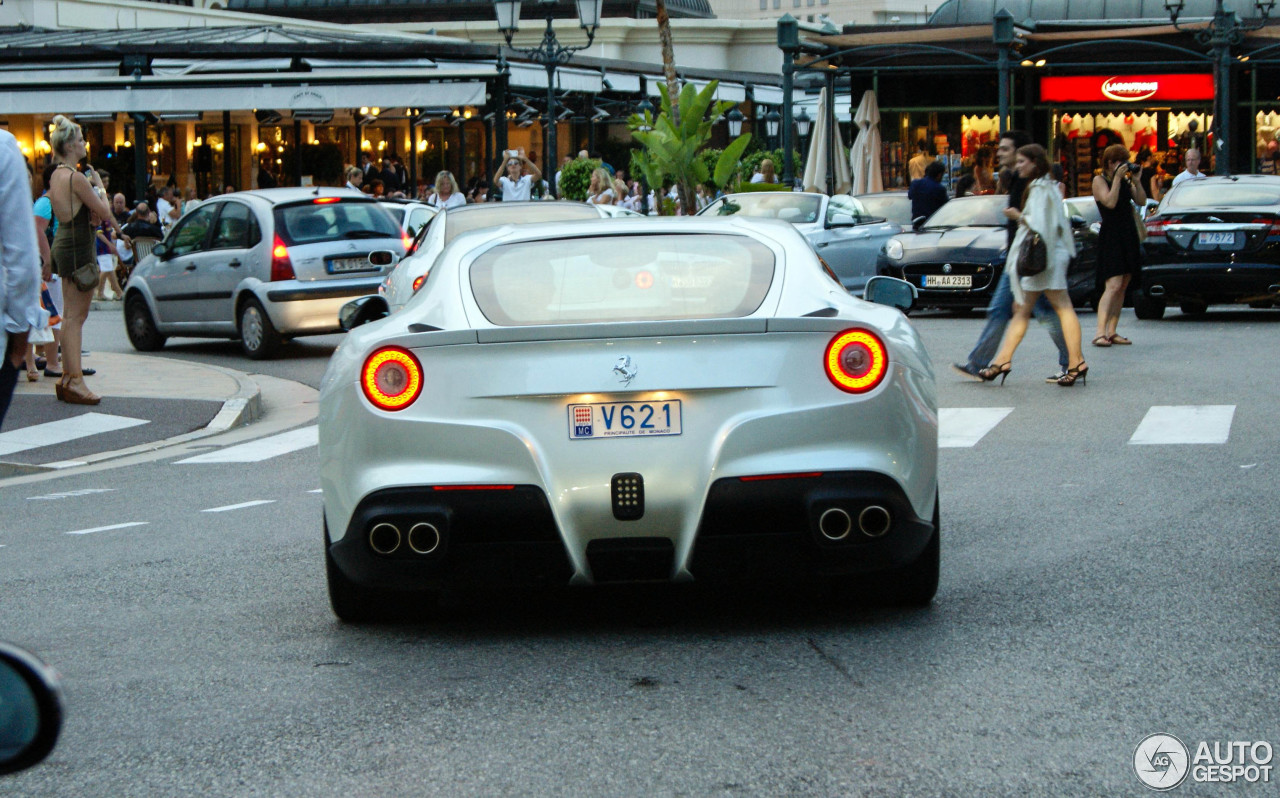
243	408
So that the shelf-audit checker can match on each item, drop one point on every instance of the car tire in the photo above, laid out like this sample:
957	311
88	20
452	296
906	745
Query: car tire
258	336
356	604
140	326
1193	307
1148	309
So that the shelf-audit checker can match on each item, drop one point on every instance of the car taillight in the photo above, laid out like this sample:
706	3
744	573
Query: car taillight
407	240
1272	223
1156	226
281	266
418	281
856	361
391	378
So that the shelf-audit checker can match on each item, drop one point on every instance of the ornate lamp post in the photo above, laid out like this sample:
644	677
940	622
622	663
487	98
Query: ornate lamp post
772	121
734	118
1224	32
803	124
550	53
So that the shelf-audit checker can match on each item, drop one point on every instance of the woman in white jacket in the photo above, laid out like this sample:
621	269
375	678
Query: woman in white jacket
1042	213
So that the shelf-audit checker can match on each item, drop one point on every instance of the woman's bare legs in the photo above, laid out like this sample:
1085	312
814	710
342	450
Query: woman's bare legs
1070	322
1110	305
1017	328
75	310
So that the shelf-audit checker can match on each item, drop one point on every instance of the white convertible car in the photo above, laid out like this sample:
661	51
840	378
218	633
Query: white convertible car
629	400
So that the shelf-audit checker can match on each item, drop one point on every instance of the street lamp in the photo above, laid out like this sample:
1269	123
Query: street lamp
772	121
802	123
734	118
1225	31
645	110
550	53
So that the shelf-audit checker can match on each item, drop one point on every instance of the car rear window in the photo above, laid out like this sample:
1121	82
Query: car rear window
622	278
1217	194
788	208
513	213
329	220
971	212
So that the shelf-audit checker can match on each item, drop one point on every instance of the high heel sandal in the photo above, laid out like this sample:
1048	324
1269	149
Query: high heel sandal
32	374
1078	373
1000	370
75	392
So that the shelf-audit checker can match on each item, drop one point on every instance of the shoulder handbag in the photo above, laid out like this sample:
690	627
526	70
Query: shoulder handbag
1033	256
85	276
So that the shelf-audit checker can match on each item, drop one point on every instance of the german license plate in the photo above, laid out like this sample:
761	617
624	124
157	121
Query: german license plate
947	281
1217	238
624	419
337	265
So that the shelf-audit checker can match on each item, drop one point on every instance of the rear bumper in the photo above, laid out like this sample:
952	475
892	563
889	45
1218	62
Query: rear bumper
1215	283
750	531
301	308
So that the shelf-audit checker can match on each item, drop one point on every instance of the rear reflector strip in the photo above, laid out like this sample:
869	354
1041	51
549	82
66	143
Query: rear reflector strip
761	477
474	487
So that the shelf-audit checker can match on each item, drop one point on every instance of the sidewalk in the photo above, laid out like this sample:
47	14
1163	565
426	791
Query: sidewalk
147	402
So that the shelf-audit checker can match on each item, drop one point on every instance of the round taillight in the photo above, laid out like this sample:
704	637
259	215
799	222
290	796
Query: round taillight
856	361
418	281
391	378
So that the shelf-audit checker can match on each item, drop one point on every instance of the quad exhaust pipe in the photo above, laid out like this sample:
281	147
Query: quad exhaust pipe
836	524
423	538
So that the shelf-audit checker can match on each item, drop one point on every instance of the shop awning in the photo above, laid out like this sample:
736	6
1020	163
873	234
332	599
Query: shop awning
39	94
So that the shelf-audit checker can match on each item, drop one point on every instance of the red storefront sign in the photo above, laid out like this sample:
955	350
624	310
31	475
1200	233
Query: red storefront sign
1125	88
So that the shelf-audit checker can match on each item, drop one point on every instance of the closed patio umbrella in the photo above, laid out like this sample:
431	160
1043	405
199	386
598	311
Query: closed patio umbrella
864	158
815	168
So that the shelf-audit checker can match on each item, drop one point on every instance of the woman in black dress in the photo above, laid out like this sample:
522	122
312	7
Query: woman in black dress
1116	190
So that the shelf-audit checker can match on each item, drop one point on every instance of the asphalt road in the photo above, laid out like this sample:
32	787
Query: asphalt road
1094	591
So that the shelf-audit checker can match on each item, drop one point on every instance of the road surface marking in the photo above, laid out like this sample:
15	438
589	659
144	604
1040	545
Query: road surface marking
107	528
317	490
962	427
69	494
239	506
261	449
1165	424
67	429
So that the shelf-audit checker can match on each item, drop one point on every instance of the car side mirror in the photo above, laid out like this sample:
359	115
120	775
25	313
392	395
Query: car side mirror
1077	222
30	709
382	257
362	311
918	223
161	250
890	291
842	220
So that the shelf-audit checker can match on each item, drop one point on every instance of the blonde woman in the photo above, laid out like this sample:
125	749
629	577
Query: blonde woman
600	192
766	173
1041	214
447	194
74	196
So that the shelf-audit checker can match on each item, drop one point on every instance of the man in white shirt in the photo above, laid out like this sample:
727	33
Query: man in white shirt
1192	172
916	166
166	208
517	187
20	308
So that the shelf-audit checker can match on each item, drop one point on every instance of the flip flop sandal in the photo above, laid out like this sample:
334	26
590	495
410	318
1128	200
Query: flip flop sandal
1120	340
1102	340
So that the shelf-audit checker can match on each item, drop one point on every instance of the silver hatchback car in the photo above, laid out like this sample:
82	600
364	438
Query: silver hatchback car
262	266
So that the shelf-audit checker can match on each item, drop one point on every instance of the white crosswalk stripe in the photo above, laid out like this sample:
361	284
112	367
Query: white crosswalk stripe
1165	424
68	429
240	506
261	449
108	528
963	427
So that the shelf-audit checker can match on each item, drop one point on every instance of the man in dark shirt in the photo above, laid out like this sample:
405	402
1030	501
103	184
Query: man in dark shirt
1000	309
928	194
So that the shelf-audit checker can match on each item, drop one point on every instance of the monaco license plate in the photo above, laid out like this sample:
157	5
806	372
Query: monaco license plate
337	265
947	281
1216	238
624	419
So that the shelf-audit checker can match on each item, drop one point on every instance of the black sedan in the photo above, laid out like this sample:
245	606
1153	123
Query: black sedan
1214	241
956	255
